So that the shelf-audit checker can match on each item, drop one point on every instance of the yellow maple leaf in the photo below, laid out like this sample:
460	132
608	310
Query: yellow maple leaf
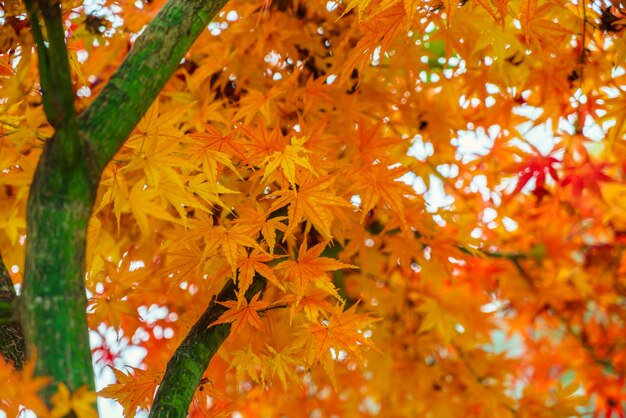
204	149
436	318
360	6
312	303
282	363
80	403
142	204
209	190
246	363
287	160
257	220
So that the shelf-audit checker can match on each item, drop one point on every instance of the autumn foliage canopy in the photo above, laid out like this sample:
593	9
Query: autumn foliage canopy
416	207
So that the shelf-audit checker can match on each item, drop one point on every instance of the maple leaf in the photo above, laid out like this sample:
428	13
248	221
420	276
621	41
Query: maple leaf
378	182
185	261
488	6
314	304
231	243
537	167
134	389
287	160
179	197
116	191
257	220
313	91
256	102
21	389
113	308
246	363
254	263
342	331
312	201
527	11
310	268
588	176
156	158
157	124
436	318
262	144
208	402
205	149
282	363
155	146
241	311
79	403
372	145
11	222
142	204
208	190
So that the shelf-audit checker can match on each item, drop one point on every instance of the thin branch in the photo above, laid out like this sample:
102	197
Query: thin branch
42	56
156	54
581	60
17	127
192	357
605	363
480	379
584	342
271	308
54	69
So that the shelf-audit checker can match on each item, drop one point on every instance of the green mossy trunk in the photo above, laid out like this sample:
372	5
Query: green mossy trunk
53	303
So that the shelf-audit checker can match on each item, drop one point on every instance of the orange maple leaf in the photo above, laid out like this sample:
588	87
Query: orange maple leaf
241	311
312	201
134	389
311	268
378	182
21	388
342	331
231	243
252	264
257	220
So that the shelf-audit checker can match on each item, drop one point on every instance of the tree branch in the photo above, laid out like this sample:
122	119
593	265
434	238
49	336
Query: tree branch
192	357
156	54
12	346
54	69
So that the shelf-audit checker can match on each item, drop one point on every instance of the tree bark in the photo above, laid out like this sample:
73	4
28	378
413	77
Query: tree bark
12	346
154	57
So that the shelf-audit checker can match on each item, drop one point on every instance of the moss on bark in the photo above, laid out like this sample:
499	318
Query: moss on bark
192	357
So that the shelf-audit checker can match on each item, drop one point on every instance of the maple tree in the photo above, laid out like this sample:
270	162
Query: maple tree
322	199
